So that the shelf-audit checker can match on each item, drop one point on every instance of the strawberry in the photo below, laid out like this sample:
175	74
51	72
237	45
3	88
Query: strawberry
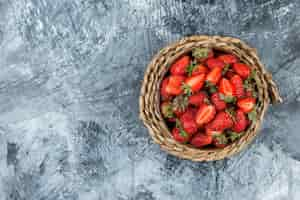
225	87
200	140
201	54
198	99
221	122
242	69
214	62
214	75
174	86
229	74
228	58
180	65
167	110
246	104
179	105
241	121
210	131
248	93
163	92
238	88
218	102
193	83
220	141
187	121
205	114
199	69
180	135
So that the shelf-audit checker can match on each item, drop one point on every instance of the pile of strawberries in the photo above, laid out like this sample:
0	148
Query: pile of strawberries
208	98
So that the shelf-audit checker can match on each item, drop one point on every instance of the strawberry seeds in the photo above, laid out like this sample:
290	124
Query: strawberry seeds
208	98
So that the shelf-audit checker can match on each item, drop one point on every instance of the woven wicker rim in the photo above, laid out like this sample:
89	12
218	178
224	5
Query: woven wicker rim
149	97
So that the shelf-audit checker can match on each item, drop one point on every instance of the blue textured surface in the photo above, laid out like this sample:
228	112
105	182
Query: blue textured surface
69	86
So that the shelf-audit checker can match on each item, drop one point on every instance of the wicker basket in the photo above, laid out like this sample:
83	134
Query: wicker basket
150	97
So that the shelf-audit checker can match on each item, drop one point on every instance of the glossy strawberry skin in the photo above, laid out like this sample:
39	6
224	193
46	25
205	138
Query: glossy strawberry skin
205	114
242	69
179	67
201	140
198	99
225	87
180	137
218	102
199	69
195	82
188	122
214	75
163	92
228	58
174	86
238	88
210	131
221	122
241	121
214	62
246	104
218	144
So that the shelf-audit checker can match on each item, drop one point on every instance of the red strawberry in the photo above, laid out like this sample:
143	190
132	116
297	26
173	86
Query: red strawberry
194	83
220	141
238	88
205	114
242	69
228	58
188	121
198	99
174	86
210	131
218	102
179	67
214	62
199	69
241	121
201	54
214	75
164	94
200	140
229	74
248	93
221	122
225	87
246	104
166	110
180	135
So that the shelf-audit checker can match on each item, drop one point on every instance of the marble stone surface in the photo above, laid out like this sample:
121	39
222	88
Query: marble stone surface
70	74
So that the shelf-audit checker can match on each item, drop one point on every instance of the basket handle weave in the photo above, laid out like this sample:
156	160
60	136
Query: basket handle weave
273	89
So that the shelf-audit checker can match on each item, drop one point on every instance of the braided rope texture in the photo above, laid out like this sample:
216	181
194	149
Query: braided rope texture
149	100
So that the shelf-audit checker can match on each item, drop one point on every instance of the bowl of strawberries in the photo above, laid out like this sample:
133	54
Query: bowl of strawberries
204	97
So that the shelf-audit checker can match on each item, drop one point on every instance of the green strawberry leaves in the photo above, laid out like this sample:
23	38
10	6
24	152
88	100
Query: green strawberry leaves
228	99
233	136
187	89
191	68
181	130
211	87
252	116
167	111
221	138
200	53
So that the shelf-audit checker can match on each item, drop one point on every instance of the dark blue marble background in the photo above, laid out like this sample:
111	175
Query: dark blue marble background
70	75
